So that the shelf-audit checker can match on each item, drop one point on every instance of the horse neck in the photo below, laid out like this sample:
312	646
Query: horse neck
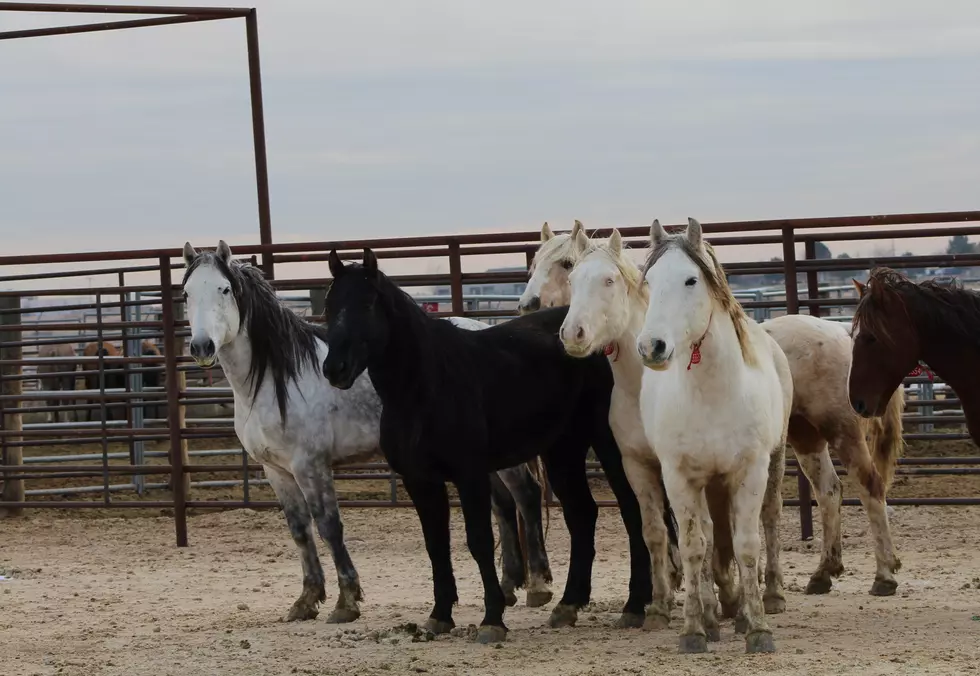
958	366
235	359
722	363
400	367
627	367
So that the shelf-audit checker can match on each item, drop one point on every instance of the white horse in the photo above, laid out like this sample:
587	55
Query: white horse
609	301
715	401
298	427
819	354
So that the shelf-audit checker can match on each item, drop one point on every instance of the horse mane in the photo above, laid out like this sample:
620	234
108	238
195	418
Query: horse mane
937	308
555	250
627	268
717	281
281	341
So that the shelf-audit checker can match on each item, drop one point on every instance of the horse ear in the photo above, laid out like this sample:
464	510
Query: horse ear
616	243
580	240
546	233
336	265
370	261
694	235
577	227
224	251
657	234
861	287
189	253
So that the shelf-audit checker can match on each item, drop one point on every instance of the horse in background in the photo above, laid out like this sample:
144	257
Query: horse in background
819	354
457	405
901	326
57	377
292	421
714	424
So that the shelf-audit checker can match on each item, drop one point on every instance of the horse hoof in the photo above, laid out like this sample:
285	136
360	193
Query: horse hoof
510	598
629	621
774	605
563	616
713	634
491	634
536	599
882	587
301	612
819	585
741	624
343	615
655	622
693	643
438	626
760	642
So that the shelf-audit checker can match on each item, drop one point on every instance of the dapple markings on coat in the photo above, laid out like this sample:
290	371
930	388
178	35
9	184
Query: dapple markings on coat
235	316
512	393
707	358
609	300
819	354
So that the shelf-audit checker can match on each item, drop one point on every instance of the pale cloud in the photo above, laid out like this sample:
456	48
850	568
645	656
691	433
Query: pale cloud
439	116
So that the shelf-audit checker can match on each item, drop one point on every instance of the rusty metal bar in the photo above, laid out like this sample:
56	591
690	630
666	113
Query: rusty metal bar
173	408
105	26
258	136
76	8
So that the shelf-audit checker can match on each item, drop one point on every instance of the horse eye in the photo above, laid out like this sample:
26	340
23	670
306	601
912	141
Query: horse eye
609	281
691	281
567	265
225	291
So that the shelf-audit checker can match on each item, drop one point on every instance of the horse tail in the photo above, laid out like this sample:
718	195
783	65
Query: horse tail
885	438
536	467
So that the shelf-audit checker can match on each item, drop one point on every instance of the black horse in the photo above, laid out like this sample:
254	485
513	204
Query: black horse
460	404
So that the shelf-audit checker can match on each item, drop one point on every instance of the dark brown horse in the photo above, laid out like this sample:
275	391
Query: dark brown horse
57	377
116	379
899	325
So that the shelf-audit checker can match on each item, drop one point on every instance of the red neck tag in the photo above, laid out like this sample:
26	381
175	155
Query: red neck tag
696	351
919	369
611	350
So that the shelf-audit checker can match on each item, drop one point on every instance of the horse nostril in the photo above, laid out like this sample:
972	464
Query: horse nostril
580	334
209	348
534	304
659	347
859	406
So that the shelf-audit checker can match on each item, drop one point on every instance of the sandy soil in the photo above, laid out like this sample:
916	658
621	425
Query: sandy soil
114	596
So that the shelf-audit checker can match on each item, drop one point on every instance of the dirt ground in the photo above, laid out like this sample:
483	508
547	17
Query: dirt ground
113	595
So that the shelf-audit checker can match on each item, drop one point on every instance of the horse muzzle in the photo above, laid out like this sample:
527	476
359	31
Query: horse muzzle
654	354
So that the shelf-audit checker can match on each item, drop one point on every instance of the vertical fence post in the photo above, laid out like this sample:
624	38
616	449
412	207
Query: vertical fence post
258	139
812	280
793	307
456	277
179	480
10	411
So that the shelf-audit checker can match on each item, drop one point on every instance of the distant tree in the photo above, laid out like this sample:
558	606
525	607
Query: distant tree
822	251
960	244
843	255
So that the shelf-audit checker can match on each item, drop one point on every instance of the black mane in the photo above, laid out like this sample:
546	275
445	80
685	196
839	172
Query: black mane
939	309
281	341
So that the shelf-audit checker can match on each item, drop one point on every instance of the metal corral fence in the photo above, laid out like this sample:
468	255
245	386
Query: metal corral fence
143	427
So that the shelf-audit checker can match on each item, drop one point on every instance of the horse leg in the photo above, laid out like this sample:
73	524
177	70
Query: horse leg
773	598
686	498
474	498
749	495
854	452
505	513
710	560
641	580
566	471
297	515
644	476
719	554
431	502
527	493
316	482
816	464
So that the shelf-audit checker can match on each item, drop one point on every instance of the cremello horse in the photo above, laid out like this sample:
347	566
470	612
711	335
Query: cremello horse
298	427
608	304
819	354
715	402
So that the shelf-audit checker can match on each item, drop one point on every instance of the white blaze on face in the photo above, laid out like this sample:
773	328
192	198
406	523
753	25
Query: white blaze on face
679	311
211	308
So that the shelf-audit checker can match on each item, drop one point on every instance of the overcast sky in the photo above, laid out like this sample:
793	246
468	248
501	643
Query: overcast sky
434	116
